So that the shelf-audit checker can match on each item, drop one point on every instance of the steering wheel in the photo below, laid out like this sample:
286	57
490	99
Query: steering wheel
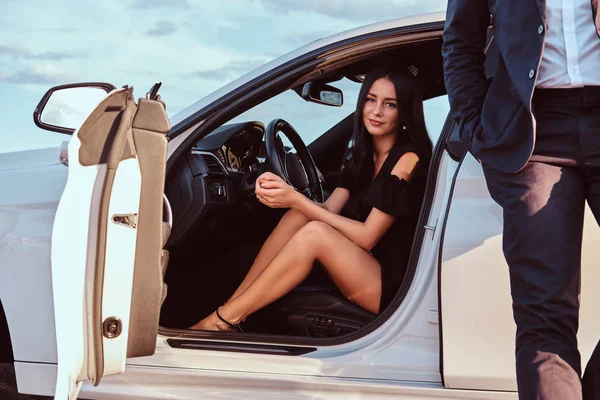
298	170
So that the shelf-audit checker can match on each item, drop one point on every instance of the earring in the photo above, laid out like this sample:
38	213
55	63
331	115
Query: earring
403	127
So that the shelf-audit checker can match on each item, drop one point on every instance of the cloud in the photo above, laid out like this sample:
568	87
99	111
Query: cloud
160	4
18	52
162	28
41	74
232	70
351	10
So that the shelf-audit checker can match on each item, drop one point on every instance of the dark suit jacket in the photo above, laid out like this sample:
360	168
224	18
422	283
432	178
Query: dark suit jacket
494	116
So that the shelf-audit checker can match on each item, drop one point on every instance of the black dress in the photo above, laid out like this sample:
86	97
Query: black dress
393	196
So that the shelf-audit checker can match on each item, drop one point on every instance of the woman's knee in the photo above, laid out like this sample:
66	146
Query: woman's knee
315	232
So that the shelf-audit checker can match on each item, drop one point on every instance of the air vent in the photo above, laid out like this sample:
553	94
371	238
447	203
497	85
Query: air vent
213	165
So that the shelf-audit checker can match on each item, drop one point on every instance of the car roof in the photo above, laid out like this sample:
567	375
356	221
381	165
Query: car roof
312	46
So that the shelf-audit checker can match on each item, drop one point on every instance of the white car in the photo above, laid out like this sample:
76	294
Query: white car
86	311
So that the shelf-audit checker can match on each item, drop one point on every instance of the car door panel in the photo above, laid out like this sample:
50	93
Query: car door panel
475	295
149	128
120	252
79	240
104	221
478	331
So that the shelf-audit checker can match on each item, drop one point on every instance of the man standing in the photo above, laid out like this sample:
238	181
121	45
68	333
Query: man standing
535	127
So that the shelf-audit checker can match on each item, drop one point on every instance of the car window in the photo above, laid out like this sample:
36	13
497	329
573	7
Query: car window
311	120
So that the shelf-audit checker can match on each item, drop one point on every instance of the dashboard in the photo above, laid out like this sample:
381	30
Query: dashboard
215	178
235	154
235	146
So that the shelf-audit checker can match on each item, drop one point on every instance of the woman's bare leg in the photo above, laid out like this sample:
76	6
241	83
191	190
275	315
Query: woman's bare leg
355	272
289	224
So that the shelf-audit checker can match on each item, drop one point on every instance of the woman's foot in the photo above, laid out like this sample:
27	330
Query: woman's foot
211	323
214	323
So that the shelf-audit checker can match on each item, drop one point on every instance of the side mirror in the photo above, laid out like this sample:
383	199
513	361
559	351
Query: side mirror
64	108
321	93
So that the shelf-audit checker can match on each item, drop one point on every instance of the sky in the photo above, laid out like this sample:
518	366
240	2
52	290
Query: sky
193	46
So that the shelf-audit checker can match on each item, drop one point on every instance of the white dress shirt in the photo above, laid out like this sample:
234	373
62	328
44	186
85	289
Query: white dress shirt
571	56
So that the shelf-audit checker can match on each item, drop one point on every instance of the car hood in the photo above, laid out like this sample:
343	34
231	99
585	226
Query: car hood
29	158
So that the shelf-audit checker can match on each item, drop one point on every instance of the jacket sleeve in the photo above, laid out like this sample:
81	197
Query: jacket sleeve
464	40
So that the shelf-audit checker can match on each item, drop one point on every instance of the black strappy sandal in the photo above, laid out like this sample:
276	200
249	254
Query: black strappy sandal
237	327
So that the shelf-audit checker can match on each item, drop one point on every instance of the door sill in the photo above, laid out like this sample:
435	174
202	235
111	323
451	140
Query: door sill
254	348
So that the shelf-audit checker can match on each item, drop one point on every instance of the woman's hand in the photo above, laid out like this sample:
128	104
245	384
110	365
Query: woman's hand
274	192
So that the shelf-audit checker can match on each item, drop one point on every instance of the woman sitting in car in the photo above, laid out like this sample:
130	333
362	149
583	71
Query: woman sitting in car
362	233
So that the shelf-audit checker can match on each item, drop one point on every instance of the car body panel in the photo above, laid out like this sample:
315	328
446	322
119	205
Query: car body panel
28	159
147	383
475	290
27	210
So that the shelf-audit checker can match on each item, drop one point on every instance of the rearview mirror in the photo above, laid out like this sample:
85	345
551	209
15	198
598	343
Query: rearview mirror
321	93
64	108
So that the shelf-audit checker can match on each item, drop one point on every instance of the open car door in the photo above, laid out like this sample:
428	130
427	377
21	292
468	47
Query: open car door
478	331
107	242
477	326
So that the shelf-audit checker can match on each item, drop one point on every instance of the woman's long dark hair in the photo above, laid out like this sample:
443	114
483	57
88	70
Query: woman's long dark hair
409	95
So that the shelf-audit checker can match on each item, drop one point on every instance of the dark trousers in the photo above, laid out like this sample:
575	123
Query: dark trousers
543	208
